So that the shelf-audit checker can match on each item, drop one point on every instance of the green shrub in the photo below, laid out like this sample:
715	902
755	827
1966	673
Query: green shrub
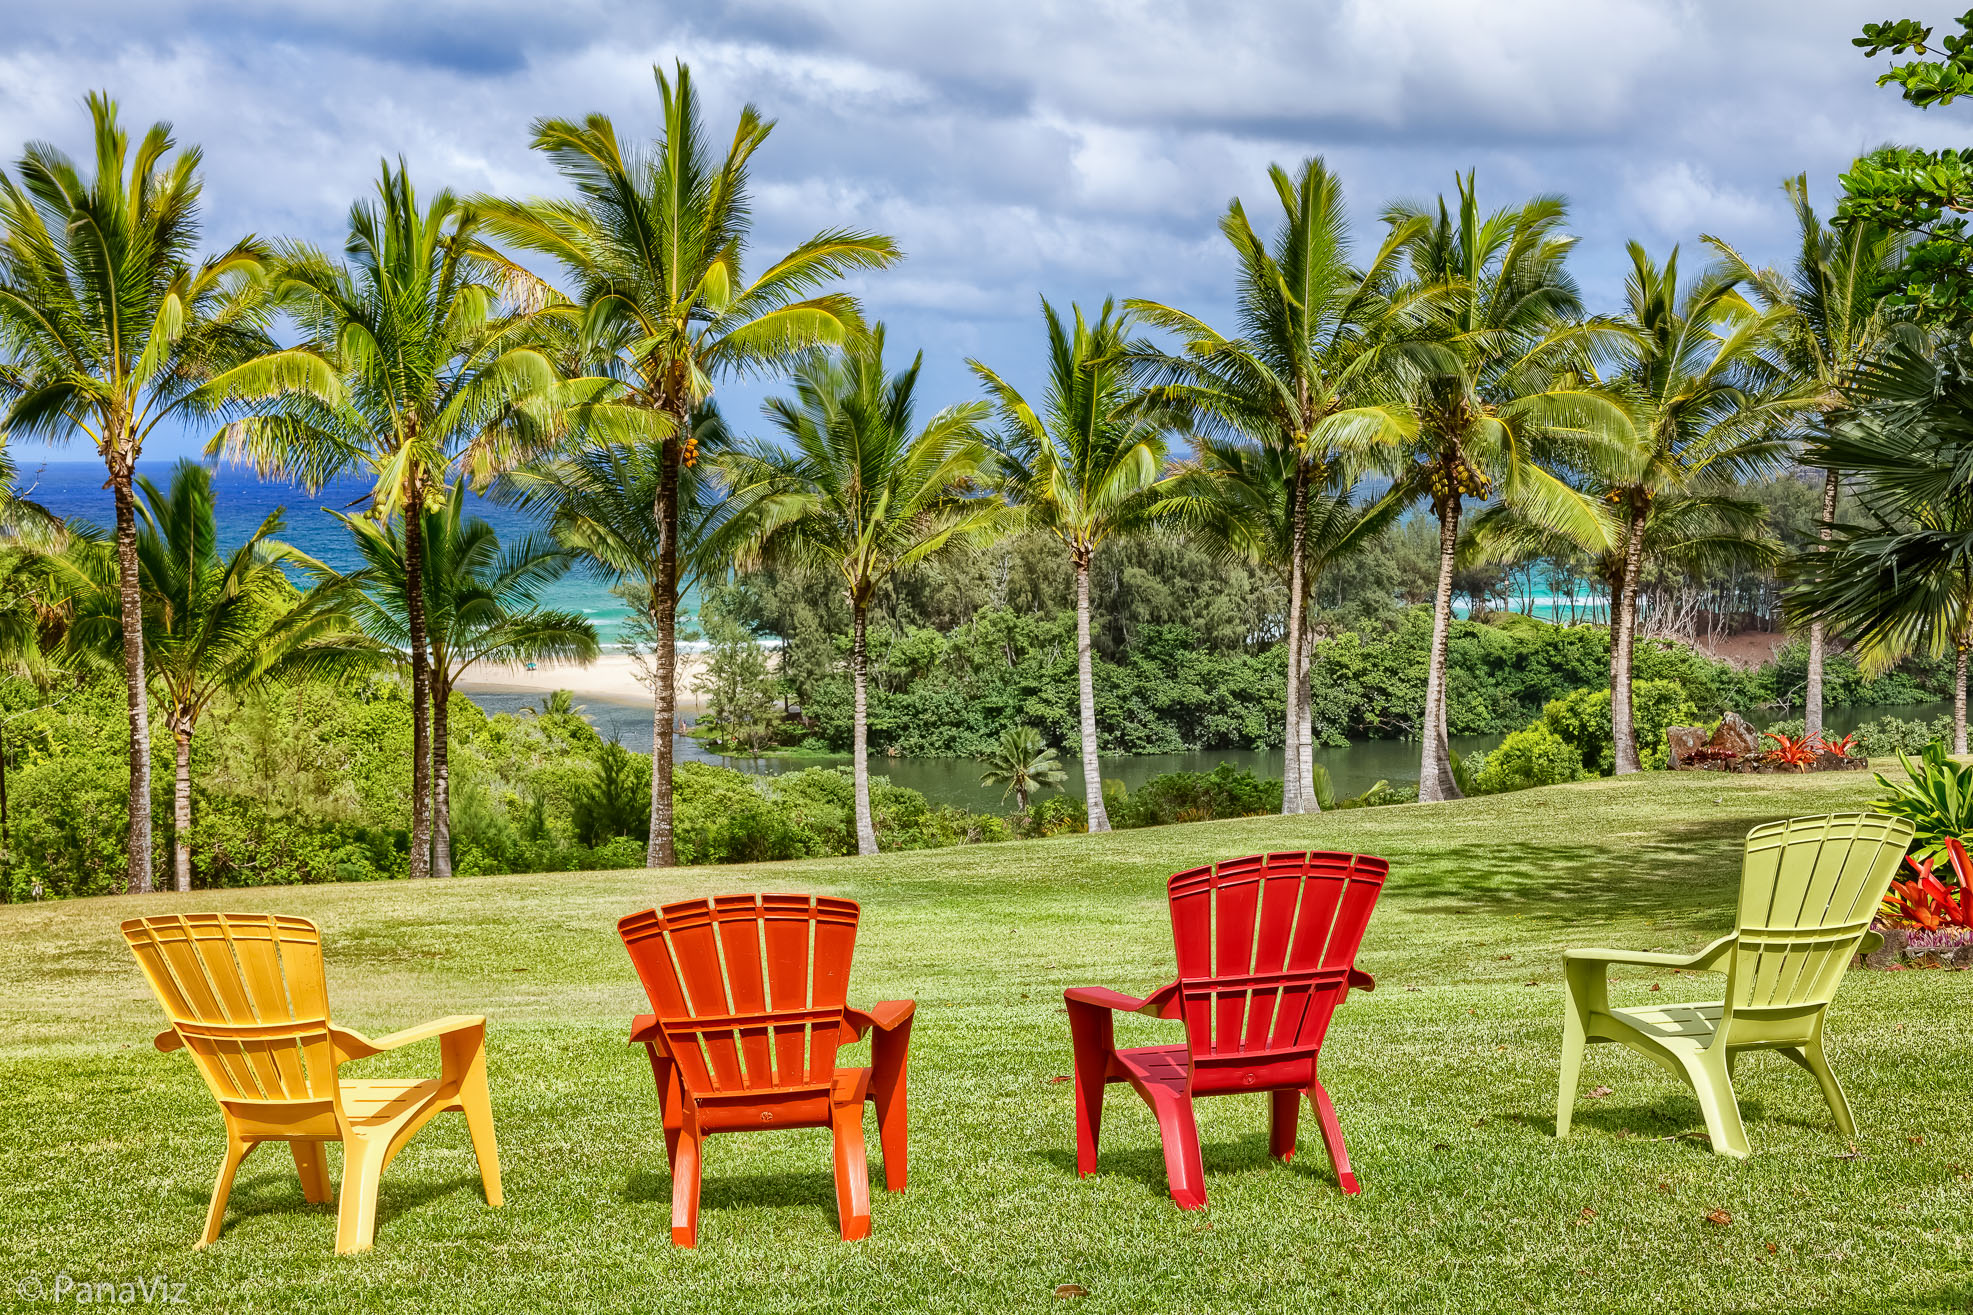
1527	758
616	799
1225	791
1583	719
1936	798
1062	814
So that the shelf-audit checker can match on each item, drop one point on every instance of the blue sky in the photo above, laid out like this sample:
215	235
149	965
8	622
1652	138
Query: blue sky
1017	148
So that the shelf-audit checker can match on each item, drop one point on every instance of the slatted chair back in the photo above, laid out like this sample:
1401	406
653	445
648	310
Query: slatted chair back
246	994
748	990
1265	946
1808	890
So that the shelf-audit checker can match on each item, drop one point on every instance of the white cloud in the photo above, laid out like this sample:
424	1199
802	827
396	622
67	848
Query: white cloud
1016	147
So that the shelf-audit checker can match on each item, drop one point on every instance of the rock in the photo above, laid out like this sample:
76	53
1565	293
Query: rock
1736	736
1683	741
1730	748
1891	953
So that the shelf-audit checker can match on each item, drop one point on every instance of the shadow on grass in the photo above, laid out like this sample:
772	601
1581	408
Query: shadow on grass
1247	1155
1691	867
732	1191
277	1193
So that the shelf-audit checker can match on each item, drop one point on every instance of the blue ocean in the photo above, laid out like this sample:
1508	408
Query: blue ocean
74	490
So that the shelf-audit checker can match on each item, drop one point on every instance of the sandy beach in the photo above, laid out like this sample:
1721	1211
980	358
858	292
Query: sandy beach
612	677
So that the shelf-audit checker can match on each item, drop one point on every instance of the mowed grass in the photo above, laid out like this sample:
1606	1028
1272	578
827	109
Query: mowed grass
1444	1077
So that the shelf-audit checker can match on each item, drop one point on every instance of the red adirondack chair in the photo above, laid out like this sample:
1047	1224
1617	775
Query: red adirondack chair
1266	951
747	1025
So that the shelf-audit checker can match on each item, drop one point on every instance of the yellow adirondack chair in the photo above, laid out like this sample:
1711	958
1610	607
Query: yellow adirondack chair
246	996
1808	889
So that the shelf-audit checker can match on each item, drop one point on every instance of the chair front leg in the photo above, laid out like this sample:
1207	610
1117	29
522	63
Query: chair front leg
1587	991
463	1065
671	1099
1092	1032
889	1053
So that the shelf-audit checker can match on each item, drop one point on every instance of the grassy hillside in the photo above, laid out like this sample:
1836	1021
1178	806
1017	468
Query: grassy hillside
1444	1078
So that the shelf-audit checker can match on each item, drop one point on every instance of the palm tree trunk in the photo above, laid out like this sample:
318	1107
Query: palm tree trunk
441	787
1812	712
1291	741
661	852
421	688
1092	776
859	670
137	878
1305	732
1435	778
1959	699
1623	637
181	810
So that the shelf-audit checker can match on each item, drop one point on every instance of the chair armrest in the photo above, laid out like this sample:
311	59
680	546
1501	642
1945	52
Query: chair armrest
1703	961
1161	1003
885	1016
354	1045
1361	980
1872	942
169	1040
644	1029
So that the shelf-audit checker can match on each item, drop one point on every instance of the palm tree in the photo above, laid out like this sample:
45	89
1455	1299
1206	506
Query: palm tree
1305	374
415	366
108	322
861	492
1834	324
1693	368
481	607
1900	580
1084	467
213	624
1024	763
652	246
598	501
1495	360
1234	497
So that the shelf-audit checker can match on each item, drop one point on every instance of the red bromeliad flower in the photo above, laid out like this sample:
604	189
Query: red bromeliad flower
1793	752
1841	748
1929	902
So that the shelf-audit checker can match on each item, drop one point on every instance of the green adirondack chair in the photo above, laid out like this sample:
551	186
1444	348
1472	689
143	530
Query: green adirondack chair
1808	889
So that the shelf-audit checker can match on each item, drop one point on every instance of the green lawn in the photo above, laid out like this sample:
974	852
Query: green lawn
1444	1078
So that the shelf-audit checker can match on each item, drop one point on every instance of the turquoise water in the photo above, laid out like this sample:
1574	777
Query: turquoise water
241	501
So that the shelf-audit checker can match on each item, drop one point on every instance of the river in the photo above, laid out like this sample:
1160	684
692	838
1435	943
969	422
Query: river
1353	768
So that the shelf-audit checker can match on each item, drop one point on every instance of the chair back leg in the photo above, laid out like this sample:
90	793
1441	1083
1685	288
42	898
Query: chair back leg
1332	1137
852	1171
236	1151
312	1163
685	1166
1712	1084
1185	1171
1812	1058
356	1214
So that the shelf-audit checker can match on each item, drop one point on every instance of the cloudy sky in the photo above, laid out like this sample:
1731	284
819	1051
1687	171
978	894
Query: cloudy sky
1014	148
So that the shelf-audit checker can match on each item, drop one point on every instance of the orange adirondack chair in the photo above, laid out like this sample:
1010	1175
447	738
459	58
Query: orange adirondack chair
1266	951
747	1025
246	996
